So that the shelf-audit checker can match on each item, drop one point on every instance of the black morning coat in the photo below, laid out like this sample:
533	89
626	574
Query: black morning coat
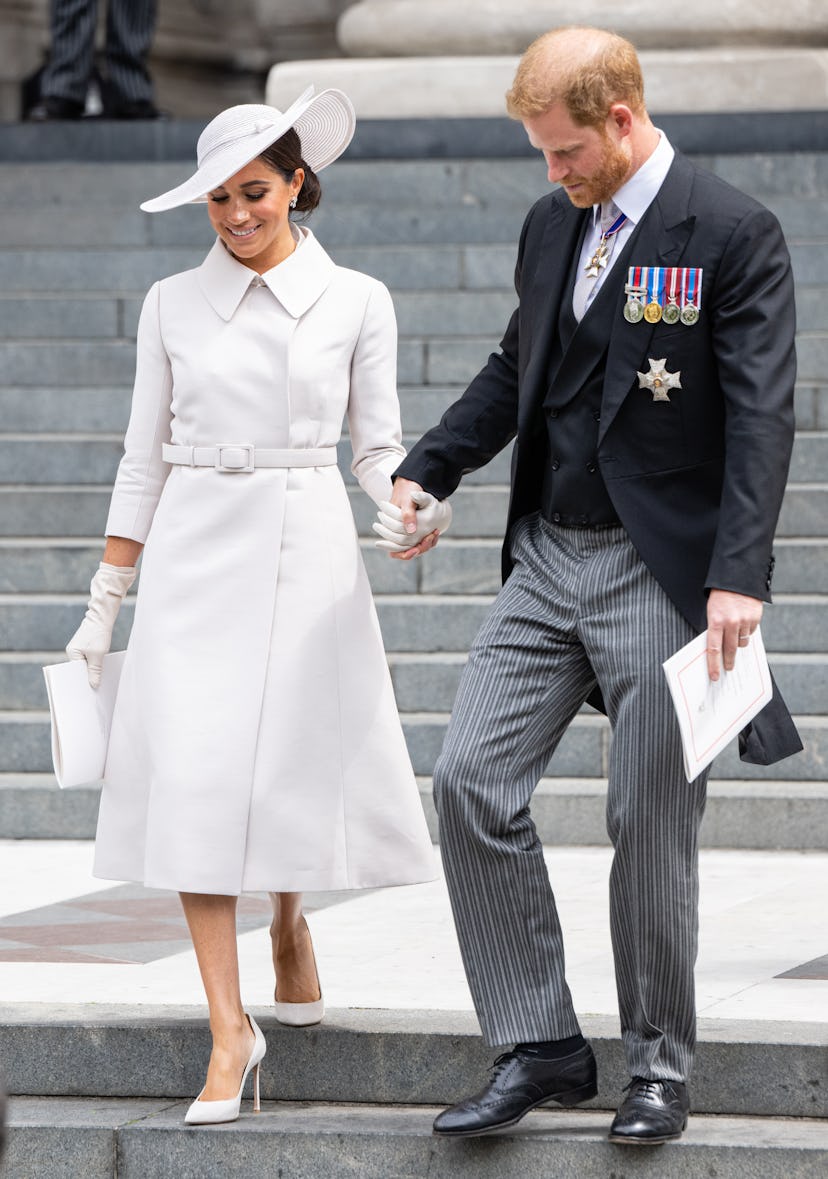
697	481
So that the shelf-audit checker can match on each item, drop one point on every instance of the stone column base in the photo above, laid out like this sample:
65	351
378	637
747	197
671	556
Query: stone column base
676	81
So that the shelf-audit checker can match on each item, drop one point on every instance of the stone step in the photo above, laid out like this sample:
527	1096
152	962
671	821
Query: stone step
422	682
472	566
779	179
46	458
82	315
411	623
583	751
438	361
70	510
770	815
471	218
146	1139
426	266
86	409
420	1057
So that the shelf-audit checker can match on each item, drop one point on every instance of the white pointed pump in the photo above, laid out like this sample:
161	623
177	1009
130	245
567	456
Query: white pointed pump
210	1113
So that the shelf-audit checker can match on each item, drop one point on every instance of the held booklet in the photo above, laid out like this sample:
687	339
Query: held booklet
81	717
710	714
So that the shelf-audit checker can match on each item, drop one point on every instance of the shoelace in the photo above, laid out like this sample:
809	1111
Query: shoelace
501	1063
645	1088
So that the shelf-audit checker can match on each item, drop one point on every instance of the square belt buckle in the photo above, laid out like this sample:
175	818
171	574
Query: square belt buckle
235	458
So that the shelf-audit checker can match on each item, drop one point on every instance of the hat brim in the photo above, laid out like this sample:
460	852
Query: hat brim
324	122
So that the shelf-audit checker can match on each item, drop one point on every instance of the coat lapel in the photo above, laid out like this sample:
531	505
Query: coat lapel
659	240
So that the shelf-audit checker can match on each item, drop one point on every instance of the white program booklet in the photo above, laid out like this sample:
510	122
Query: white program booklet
81	718
711	713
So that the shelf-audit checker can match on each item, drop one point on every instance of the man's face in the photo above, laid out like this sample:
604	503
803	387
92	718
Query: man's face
590	163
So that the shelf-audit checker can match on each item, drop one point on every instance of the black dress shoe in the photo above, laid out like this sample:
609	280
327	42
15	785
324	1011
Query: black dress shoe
520	1082
651	1113
50	109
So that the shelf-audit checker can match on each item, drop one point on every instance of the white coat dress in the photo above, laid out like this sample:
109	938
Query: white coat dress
255	743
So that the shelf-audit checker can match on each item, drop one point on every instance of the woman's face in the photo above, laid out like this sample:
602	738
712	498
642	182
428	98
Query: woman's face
250	211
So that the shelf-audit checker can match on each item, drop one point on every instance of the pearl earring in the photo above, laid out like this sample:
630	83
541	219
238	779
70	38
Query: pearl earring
293	202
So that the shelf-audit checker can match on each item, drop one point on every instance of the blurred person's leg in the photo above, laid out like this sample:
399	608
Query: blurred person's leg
66	76
130	25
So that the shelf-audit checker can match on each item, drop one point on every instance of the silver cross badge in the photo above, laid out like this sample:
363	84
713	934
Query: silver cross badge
659	380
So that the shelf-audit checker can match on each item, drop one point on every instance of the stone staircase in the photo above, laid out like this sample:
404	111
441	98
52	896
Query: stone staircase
76	256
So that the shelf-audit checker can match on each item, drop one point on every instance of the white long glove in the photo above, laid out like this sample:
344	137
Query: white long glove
93	637
431	514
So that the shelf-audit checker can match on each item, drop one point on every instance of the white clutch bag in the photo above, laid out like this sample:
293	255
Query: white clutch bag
81	718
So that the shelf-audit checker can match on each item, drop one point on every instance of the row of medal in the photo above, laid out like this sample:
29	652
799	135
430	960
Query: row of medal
671	293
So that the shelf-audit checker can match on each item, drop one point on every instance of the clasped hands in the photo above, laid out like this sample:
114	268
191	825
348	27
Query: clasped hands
411	522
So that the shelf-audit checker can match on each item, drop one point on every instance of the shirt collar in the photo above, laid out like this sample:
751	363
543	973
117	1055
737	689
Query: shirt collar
635	196
297	282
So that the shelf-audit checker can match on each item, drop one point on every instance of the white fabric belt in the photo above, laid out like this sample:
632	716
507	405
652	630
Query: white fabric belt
240	457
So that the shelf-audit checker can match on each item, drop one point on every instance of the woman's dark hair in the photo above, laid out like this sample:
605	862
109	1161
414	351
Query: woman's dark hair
285	156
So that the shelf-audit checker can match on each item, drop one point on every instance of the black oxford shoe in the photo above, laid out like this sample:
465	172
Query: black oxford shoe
520	1082
651	1113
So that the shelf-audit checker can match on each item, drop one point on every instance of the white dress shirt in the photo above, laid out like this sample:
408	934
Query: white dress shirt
634	198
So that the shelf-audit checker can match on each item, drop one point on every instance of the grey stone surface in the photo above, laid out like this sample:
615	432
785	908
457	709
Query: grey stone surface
583	752
742	1067
812	354
45	409
710	80
415	624
84	225
79	318
46	461
809	461
812	308
429	682
566	811
33	807
369	1143
455	362
811	404
147	1140
59	567
47	511
414	268
376	28
756	815
46	623
461	313
85	270
801	565
79	362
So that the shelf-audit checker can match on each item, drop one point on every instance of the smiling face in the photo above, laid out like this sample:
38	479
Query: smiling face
249	212
590	163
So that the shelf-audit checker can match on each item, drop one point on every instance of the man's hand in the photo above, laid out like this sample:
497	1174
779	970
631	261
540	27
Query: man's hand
401	497
731	620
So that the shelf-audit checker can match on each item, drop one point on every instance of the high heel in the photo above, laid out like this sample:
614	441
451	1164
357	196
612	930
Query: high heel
302	1015
210	1113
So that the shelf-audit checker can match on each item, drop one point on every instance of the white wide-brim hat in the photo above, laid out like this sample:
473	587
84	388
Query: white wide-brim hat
324	122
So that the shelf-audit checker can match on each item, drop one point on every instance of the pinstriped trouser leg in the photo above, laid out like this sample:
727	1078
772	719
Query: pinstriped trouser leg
580	606
129	29
73	49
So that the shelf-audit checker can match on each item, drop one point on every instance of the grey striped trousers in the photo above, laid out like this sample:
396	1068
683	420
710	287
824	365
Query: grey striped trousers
129	29
580	607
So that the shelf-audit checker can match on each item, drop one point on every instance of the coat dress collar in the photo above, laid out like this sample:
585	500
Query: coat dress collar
297	282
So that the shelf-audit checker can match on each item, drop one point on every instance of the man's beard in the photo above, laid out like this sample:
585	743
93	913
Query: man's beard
604	182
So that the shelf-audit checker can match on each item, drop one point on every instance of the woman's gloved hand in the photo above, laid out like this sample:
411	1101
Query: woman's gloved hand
433	515
92	639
